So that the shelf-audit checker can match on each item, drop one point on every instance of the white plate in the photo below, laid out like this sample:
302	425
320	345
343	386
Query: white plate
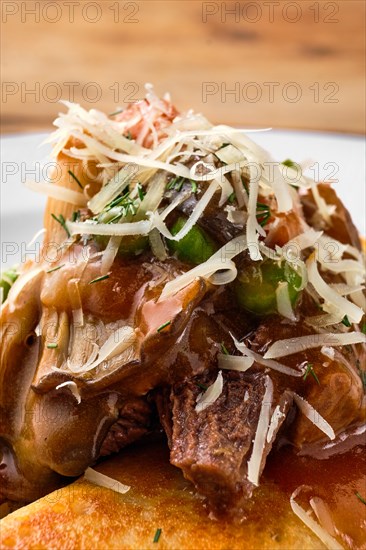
22	158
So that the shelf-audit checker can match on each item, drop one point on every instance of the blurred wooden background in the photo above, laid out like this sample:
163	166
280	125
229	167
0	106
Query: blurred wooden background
287	64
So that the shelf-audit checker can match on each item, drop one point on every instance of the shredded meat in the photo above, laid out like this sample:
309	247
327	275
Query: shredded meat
342	227
212	447
134	422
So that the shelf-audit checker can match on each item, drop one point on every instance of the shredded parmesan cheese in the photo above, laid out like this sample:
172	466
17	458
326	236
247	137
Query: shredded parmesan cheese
281	348
102	480
314	417
72	387
240	346
255	461
277	416
233	362
196	213
114	188
323	514
219	262
117	229
330	296
58	192
330	542
109	254
212	393
284	306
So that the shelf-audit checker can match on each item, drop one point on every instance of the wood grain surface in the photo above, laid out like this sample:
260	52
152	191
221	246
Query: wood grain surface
282	64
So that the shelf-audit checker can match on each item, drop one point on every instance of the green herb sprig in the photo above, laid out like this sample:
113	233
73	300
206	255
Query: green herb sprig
176	183
310	370
346	322
224	349
263	210
61	220
98	279
118	112
163	326
75	179
263	213
157	535
55	268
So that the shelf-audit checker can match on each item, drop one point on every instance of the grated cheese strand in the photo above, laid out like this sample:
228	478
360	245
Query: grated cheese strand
255	461
212	393
233	362
289	346
58	192
313	415
284	306
218	262
330	296
330	542
72	386
240	346
107	482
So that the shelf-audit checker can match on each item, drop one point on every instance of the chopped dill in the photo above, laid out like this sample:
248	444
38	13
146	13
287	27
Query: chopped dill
194	186
224	349
75	216
75	178
55	268
346	321
263	213
140	191
98	279
157	535
163	326
310	370
61	220
118	112
176	183
360	498
124	203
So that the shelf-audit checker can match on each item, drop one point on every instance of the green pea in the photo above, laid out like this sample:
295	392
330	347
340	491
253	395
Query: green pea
131	245
7	279
255	287
196	247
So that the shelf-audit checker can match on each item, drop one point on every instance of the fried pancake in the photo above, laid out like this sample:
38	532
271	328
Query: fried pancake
83	515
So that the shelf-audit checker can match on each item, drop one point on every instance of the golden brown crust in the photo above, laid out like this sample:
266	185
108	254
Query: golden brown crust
86	516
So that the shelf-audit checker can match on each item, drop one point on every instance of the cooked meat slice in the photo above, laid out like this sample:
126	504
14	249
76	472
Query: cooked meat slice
162	402
212	447
342	227
332	386
134	422
338	399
